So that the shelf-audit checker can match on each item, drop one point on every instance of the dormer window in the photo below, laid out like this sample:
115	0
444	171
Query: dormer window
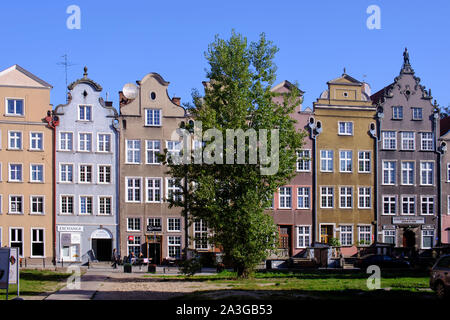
14	107
85	113
153	117
397	112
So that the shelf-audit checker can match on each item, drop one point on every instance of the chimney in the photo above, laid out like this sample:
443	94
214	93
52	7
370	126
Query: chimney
177	101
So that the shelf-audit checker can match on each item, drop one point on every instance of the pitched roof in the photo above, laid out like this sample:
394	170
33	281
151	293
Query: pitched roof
346	78
16	76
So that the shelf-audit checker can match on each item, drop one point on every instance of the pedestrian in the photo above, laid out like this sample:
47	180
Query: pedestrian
114	259
131	257
140	260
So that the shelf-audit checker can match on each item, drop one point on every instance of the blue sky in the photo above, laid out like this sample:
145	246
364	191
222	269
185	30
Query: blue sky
122	41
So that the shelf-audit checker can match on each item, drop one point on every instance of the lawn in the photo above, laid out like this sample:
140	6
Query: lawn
36	282
312	285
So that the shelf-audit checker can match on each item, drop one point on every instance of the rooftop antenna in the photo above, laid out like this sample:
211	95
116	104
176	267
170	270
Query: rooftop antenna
66	64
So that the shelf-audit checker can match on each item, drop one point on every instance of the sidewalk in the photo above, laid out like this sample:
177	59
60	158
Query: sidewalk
89	284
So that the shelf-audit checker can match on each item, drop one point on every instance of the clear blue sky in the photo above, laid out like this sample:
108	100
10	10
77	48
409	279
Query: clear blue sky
121	41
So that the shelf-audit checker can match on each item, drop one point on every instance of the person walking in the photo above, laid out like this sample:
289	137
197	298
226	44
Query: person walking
114	259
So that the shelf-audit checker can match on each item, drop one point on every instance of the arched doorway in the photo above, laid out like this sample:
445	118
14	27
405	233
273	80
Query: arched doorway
409	239
102	244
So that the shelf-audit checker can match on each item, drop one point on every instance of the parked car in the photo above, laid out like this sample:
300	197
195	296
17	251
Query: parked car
440	277
380	260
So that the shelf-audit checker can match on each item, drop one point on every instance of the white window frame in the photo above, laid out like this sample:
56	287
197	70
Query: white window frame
174	242
424	170
390	235
304	160
22	204
102	142
427	203
88	134
389	202
15	114
152	150
328	195
32	171
325	159
366	198
80	206
408	202
414	113
360	226
200	229
37	140
305	236
364	161
32	202
22	240
426	143
134	219
99	174
32	242
87	165
61	165
61	204
85	113
173	188
347	232
345	158
285	193
16	138
152	111
147	188
135	151
67	146
426	233
306	196
347	125
407	140
389	142
173	227
397	112
391	170
10	171
407	172
134	188
99	204
345	196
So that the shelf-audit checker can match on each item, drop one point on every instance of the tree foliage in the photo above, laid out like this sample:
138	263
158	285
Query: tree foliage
232	198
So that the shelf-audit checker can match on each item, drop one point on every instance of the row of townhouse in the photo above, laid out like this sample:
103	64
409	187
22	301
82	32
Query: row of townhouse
83	178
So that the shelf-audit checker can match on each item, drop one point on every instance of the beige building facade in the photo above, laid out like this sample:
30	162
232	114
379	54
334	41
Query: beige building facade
26	160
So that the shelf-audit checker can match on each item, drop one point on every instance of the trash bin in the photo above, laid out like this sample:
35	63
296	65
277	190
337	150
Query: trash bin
152	268
127	268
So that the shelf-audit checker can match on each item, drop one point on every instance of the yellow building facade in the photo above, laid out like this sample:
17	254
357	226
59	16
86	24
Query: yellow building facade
345	165
26	160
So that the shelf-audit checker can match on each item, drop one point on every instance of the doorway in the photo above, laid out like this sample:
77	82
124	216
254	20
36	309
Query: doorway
285	239
154	249
326	233
409	239
102	249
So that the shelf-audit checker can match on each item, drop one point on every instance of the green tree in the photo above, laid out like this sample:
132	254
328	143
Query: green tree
231	198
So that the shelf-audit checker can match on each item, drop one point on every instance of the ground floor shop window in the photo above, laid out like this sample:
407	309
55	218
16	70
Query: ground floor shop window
427	239
389	236
304	236
174	247
200	235
16	239
134	245
364	235
346	235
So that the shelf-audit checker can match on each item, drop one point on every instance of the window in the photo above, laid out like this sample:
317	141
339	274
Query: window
364	235
200	235
389	236
364	161
104	174
84	113
427	143
66	204
408	205
15	140
104	206
346	235
153	189
408	140
153	149
448	172
303	236
397	112
408	173
285	198
37	205
86	205
345	161
36	141
426	173
85	142
173	224
154	222
389	205
389	173
326	197
173	148
345	198
133	189
346	128
427	205
303	196
389	140
173	189
15	172
134	151
152	117
133	224
104	142
85	173
15	204
65	173
37	173
65	141
134	245
14	107
326	160
364	198
427	239
16	239
417	113
304	160
174	246
37	242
